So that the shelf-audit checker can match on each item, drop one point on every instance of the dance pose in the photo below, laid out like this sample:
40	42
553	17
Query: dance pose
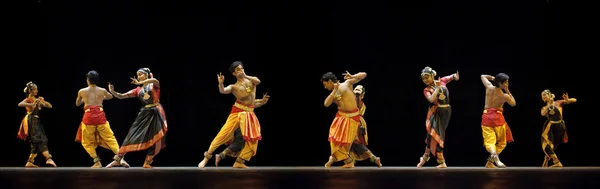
438	116
236	145
94	130
495	130
242	116
555	131
344	128
150	126
31	129
359	150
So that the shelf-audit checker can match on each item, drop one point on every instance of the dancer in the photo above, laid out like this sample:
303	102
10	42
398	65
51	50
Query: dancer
555	131
236	145
31	129
242	116
344	128
495	130
359	150
94	130
149	129
438	116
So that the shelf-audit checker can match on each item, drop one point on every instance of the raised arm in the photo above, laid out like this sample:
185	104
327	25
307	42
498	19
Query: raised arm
79	100
107	95
224	90
485	79
331	96
130	94
24	104
567	100
453	77
154	81
353	79
261	102
253	79
545	110
45	103
510	99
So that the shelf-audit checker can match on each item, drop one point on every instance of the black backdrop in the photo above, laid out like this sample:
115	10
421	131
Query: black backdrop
289	45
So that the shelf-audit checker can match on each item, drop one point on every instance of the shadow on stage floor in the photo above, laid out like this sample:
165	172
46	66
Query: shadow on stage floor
299	177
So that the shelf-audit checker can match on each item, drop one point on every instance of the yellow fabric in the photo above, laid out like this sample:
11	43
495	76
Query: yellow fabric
98	135
226	132
249	150
340	152
494	138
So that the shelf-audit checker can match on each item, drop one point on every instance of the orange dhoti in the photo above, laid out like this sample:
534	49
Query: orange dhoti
243	117
95	131
342	133
496	132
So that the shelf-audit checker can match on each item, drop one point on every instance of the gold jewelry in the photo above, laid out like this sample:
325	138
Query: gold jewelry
551	108
248	89
338	96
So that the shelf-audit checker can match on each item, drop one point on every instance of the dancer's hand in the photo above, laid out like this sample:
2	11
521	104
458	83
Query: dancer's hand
456	76
347	75
220	78
565	96
265	98
437	82
134	81
111	88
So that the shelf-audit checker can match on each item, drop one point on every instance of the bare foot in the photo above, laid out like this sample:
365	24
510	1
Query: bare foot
31	165
124	163
443	165
422	162
239	165
217	159
328	164
147	166
51	162
203	163
557	165
113	164
546	159
378	162
348	165
490	164
97	165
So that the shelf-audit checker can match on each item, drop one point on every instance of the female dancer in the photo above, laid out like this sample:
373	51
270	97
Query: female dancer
438	115
554	132
150	126
31	129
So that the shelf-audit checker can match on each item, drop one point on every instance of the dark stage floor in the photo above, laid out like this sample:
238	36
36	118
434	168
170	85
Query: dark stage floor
300	177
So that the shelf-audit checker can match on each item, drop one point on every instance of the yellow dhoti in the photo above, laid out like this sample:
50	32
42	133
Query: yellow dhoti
243	117
496	133
95	131
342	133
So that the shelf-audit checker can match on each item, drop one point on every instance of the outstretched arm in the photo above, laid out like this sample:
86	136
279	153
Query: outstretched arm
130	94
567	100
224	90
485	79
446	79
353	79
154	81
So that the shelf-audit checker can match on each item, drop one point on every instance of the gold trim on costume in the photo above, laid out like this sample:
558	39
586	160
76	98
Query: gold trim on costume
243	107
349	114
151	105
443	105
497	111
89	109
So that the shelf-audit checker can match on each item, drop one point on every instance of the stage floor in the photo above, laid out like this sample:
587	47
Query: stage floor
299	177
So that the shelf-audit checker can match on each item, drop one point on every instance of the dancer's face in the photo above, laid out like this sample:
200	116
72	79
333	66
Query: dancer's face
427	79
358	90
328	85
545	97
141	76
33	90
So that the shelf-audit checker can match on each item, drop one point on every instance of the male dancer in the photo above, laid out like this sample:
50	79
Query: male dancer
242	116
235	147
495	131
359	150
438	116
344	128
555	130
94	130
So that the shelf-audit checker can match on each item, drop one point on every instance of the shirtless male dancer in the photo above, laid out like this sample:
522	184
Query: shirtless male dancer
495	131
94	130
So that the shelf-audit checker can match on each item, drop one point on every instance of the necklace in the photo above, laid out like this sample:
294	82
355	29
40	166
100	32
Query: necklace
248	89
551	108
